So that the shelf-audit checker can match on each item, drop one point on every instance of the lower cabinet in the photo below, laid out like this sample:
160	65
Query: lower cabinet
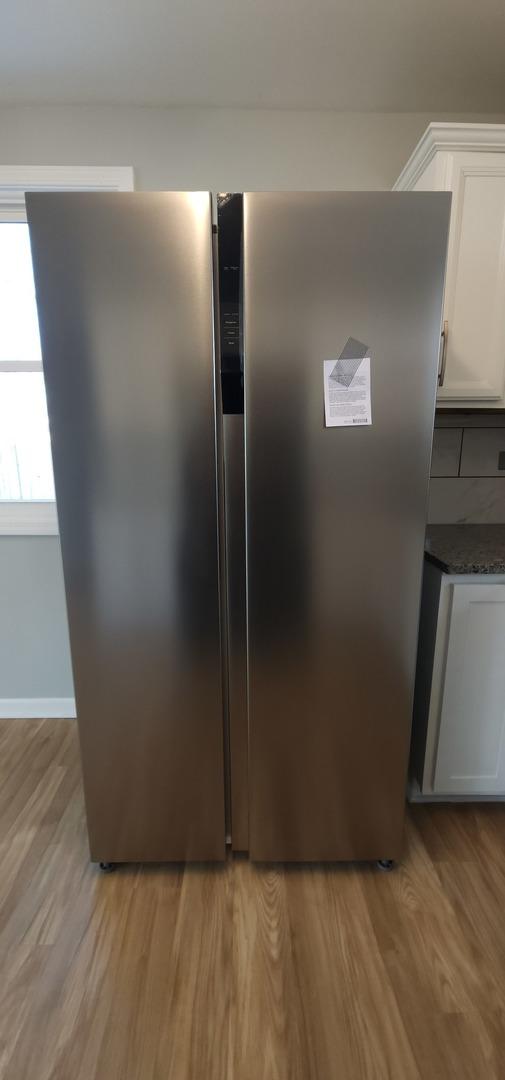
458	745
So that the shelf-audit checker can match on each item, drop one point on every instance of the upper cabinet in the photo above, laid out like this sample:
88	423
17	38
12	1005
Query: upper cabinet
469	160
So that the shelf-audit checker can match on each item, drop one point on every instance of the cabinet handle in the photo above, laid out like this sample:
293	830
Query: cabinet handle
444	335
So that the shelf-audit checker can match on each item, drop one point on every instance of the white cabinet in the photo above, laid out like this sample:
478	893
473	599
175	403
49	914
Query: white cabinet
469	161
470	755
459	744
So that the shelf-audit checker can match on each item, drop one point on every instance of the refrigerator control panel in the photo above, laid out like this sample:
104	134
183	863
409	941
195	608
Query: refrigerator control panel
229	226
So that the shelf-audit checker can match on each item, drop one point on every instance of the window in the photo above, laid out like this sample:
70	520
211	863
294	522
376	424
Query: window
27	501
25	456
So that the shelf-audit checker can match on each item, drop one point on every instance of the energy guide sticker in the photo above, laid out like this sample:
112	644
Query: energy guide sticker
347	393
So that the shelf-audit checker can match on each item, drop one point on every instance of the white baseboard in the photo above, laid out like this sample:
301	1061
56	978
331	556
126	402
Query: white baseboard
36	708
414	795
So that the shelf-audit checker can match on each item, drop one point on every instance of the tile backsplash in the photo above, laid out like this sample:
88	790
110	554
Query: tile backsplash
447	443
468	469
483	452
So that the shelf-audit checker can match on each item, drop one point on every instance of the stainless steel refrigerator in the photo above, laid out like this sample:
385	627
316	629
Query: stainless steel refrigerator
242	576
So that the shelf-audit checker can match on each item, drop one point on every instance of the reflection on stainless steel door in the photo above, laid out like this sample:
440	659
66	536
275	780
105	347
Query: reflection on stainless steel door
335	516
124	290
233	425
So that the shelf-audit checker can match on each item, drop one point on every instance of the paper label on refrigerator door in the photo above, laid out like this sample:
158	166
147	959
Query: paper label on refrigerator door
347	395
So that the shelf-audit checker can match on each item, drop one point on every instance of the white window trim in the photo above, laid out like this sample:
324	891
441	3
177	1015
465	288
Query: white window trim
29	518
19	518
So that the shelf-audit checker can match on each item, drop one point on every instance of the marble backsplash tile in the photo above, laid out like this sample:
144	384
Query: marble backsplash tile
483	452
467	500
468	468
446	453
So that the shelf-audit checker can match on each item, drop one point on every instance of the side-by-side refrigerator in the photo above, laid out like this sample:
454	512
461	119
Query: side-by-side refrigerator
241	421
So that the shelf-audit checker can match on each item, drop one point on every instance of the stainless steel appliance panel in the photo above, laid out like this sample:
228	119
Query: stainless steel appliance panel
125	299
233	433
336	516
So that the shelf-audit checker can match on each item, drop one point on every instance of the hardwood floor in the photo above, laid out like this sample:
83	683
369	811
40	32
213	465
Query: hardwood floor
242	972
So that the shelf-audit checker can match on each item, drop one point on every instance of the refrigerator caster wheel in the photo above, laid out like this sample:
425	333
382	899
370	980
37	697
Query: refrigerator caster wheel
385	864
106	867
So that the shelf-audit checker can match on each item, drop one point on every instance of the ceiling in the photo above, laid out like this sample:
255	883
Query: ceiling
359	55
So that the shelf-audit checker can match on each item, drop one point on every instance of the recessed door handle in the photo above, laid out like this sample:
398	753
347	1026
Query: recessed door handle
444	335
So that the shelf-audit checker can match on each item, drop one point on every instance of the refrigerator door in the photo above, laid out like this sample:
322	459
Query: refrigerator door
336	515
125	298
233	438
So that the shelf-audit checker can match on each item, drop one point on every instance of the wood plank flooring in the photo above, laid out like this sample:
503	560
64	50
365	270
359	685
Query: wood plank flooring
242	972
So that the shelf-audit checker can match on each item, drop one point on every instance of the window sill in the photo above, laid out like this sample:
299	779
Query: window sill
28	519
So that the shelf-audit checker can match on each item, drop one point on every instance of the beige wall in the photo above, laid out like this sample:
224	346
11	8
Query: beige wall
219	149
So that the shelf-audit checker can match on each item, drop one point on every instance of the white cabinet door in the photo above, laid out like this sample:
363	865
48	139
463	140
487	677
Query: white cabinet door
475	286
470	757
469	160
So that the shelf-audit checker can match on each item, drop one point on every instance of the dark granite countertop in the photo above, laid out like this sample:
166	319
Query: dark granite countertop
467	549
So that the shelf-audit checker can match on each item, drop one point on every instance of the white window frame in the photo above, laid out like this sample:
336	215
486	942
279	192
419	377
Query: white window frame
19	517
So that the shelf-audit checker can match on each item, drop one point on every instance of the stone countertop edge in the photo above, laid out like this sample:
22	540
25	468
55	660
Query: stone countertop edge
466	549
